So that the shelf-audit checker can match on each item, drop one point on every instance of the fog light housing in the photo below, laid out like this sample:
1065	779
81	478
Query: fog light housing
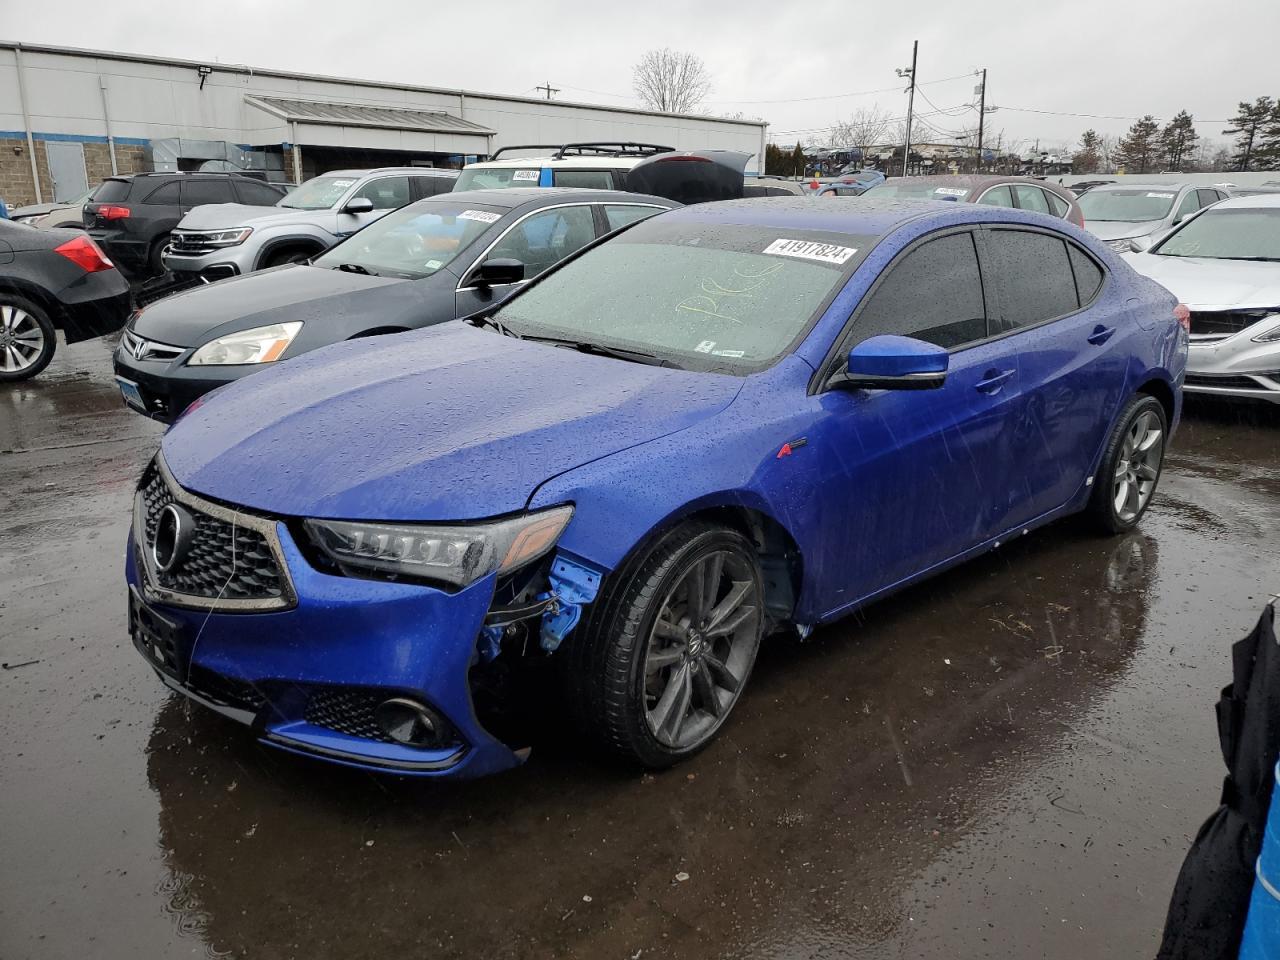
409	722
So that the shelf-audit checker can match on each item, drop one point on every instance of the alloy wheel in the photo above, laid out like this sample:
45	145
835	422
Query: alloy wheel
1138	466
701	648
21	339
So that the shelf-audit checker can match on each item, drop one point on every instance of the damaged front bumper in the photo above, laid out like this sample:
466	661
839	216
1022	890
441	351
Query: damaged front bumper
311	679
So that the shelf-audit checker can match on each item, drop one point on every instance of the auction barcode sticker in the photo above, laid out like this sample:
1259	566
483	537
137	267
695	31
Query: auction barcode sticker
811	250
1161	196
951	191
484	216
526	175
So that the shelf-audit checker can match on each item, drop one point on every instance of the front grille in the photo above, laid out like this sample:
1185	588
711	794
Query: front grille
347	710
190	243
225	691
227	561
1220	324
142	349
1227	382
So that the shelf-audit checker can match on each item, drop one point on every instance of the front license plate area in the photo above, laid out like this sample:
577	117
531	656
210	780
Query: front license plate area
131	394
157	638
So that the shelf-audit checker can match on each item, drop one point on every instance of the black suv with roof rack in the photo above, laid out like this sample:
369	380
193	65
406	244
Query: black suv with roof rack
130	216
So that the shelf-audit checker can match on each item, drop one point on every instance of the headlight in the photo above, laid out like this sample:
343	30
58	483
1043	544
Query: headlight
259	345
1123	246
227	238
1272	335
457	554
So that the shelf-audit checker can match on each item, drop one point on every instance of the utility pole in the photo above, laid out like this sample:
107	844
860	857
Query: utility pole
982	112
549	88
911	102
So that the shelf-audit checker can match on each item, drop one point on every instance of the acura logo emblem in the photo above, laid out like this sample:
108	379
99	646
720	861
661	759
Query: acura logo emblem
174	531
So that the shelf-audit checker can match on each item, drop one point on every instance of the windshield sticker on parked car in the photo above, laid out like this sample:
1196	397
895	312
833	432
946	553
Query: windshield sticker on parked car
526	175
706	346
484	216
811	250
343	183
951	191
1161	196
729	353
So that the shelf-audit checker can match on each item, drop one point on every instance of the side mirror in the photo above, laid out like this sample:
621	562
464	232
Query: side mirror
499	271
358	205
1143	244
894	363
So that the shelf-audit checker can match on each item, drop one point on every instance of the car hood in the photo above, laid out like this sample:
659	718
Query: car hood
267	296
223	216
1121	229
1204	284
448	423
33	210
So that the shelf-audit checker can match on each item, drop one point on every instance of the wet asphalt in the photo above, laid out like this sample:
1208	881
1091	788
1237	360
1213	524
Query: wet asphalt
1008	761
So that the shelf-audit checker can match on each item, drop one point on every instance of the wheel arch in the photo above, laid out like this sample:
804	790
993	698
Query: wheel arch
302	242
37	295
1162	391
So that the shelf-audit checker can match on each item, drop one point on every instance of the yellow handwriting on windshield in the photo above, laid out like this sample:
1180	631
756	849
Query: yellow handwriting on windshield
717	299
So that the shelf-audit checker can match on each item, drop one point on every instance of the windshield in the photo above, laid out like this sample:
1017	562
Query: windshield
1240	234
496	178
318	194
907	190
1138	204
412	242
728	298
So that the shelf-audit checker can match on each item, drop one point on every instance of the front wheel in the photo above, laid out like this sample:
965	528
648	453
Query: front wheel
661	663
1131	465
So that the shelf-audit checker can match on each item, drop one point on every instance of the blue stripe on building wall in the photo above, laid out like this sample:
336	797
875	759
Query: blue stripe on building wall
74	138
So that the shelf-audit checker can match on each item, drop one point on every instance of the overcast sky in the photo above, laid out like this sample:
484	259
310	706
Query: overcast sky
784	62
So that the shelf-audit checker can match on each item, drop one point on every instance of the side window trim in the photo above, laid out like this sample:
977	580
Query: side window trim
462	282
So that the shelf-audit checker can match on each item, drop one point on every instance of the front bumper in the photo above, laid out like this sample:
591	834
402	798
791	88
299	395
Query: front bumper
169	386
347	641
1236	367
216	264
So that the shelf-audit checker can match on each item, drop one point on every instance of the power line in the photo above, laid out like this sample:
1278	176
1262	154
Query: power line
839	96
1090	116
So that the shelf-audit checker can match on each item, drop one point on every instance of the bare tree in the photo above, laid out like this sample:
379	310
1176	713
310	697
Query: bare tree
865	129
671	82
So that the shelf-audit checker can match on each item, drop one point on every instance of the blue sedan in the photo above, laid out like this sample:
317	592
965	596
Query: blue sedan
727	421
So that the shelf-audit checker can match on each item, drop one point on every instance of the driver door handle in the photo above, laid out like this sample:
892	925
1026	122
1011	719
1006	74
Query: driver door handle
1101	334
992	381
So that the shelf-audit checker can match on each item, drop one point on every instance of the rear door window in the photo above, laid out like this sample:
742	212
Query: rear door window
167	194
430	186
1207	197
386	193
1031	198
583	179
997	197
1088	274
196	192
1031	276
934	293
1058	205
620	214
257	194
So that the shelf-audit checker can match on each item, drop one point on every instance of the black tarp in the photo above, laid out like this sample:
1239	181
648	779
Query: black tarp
1211	898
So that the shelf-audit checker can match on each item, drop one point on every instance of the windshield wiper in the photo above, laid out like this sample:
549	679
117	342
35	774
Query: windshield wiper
1253	259
483	320
600	350
356	268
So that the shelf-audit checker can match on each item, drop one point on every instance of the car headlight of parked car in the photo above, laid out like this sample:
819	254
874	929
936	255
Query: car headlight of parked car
1128	245
259	345
457	554
1272	335
227	238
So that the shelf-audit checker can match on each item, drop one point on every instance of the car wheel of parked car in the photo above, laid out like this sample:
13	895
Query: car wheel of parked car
662	660
294	255
27	338
155	259
1131	465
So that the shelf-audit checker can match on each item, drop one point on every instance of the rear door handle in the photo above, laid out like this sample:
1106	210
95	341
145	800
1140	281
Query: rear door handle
992	381
1101	334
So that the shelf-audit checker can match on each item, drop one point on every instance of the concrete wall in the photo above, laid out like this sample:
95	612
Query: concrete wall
152	98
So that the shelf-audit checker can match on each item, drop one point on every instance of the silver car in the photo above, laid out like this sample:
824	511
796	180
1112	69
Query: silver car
1131	216
226	239
1224	264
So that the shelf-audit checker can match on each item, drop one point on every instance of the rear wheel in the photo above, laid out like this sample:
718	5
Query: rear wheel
27	338
1131	465
155	258
664	657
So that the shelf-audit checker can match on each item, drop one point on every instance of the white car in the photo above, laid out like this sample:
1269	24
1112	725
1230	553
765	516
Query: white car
1224	264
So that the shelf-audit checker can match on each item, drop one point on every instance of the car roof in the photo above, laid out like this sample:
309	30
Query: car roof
512	197
1147	185
1265	201
588	163
369	171
865	216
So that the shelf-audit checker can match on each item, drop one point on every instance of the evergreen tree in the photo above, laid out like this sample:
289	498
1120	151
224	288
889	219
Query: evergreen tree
1252	122
1139	149
798	160
1089	156
1178	140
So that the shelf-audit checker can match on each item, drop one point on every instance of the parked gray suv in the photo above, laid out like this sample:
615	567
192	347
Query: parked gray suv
226	239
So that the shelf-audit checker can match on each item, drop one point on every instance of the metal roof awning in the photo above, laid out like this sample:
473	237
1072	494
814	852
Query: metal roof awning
328	113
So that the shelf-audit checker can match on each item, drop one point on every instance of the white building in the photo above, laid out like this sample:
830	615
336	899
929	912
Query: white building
70	117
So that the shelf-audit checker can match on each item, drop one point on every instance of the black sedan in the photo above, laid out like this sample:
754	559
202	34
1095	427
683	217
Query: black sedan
53	280
443	257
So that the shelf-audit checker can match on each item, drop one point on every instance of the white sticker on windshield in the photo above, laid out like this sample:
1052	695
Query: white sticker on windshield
810	250
951	191
526	175
728	353
433	264
706	346
484	216
1161	196
343	183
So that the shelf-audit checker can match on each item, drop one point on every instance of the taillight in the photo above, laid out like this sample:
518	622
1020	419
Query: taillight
84	253
109	212
1183	316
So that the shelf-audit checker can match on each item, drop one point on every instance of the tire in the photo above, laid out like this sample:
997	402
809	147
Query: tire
279	258
27	338
657	691
155	256
1123	472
